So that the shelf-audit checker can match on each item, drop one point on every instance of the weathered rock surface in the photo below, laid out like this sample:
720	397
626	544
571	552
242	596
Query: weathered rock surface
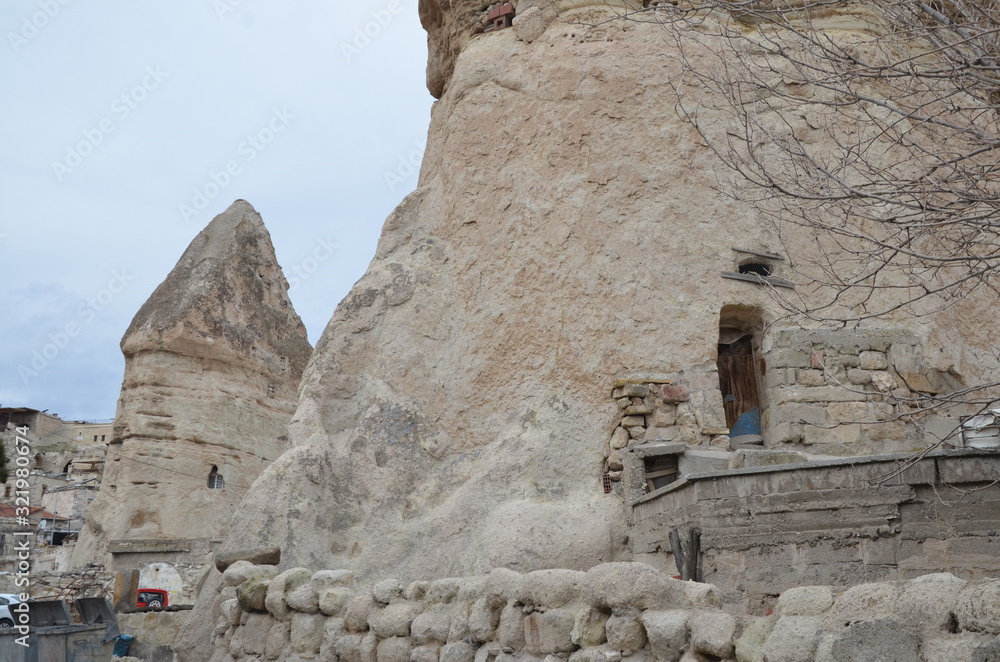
567	231
212	365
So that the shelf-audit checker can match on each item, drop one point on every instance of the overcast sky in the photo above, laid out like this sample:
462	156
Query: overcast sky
118	121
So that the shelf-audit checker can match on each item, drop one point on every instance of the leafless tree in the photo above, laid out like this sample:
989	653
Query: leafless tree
882	140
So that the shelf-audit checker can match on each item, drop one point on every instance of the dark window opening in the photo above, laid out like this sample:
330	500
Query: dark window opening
759	268
661	470
215	481
69	465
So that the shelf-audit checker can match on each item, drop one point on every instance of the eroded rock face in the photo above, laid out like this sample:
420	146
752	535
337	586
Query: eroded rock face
212	365
567	232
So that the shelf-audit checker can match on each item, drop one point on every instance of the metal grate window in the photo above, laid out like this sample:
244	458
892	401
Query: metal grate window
606	482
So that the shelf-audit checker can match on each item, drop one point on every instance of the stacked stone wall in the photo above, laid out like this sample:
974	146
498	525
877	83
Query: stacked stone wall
611	612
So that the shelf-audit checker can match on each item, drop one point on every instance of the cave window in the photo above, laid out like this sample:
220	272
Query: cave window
761	269
661	470
215	481
68	467
757	267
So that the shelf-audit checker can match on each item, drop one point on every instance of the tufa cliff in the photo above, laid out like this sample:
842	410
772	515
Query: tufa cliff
551	307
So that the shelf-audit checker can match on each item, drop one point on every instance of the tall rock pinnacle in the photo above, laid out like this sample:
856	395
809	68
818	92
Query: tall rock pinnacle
212	366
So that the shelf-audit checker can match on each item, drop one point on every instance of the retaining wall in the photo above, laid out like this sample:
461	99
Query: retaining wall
611	612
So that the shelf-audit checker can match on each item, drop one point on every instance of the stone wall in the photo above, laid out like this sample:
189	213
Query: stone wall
765	530
612	611
852	392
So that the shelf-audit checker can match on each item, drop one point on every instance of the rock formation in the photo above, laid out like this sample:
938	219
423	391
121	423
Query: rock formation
212	365
462	409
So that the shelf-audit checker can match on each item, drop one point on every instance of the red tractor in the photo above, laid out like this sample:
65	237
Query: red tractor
152	597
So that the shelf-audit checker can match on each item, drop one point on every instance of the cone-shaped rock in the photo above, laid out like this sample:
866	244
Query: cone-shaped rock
212	365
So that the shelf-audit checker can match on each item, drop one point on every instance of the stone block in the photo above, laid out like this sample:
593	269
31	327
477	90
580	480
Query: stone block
632	391
703	461
255	633
349	647
415	591
625	634
442	590
697	594
484	616
978	607
870	360
673	393
277	640
458	651
849	412
333	601
388	590
356	615
712	632
627	586
793	639
859	377
588	628
306	635
633	421
667	632
393	620
619	439
805	601
282	585
511	628
332	632
252	594
549	632
459	621
880	639
393	649
962	647
662	416
368	651
928	603
552	588
234	574
430	653
750	645
304	599
811	378
432	625
783	357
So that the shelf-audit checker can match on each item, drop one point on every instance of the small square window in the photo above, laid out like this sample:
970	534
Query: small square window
661	470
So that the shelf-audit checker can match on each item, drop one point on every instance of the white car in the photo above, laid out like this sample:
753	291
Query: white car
7	618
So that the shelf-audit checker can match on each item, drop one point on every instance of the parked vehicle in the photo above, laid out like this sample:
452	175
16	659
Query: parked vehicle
6	600
152	597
